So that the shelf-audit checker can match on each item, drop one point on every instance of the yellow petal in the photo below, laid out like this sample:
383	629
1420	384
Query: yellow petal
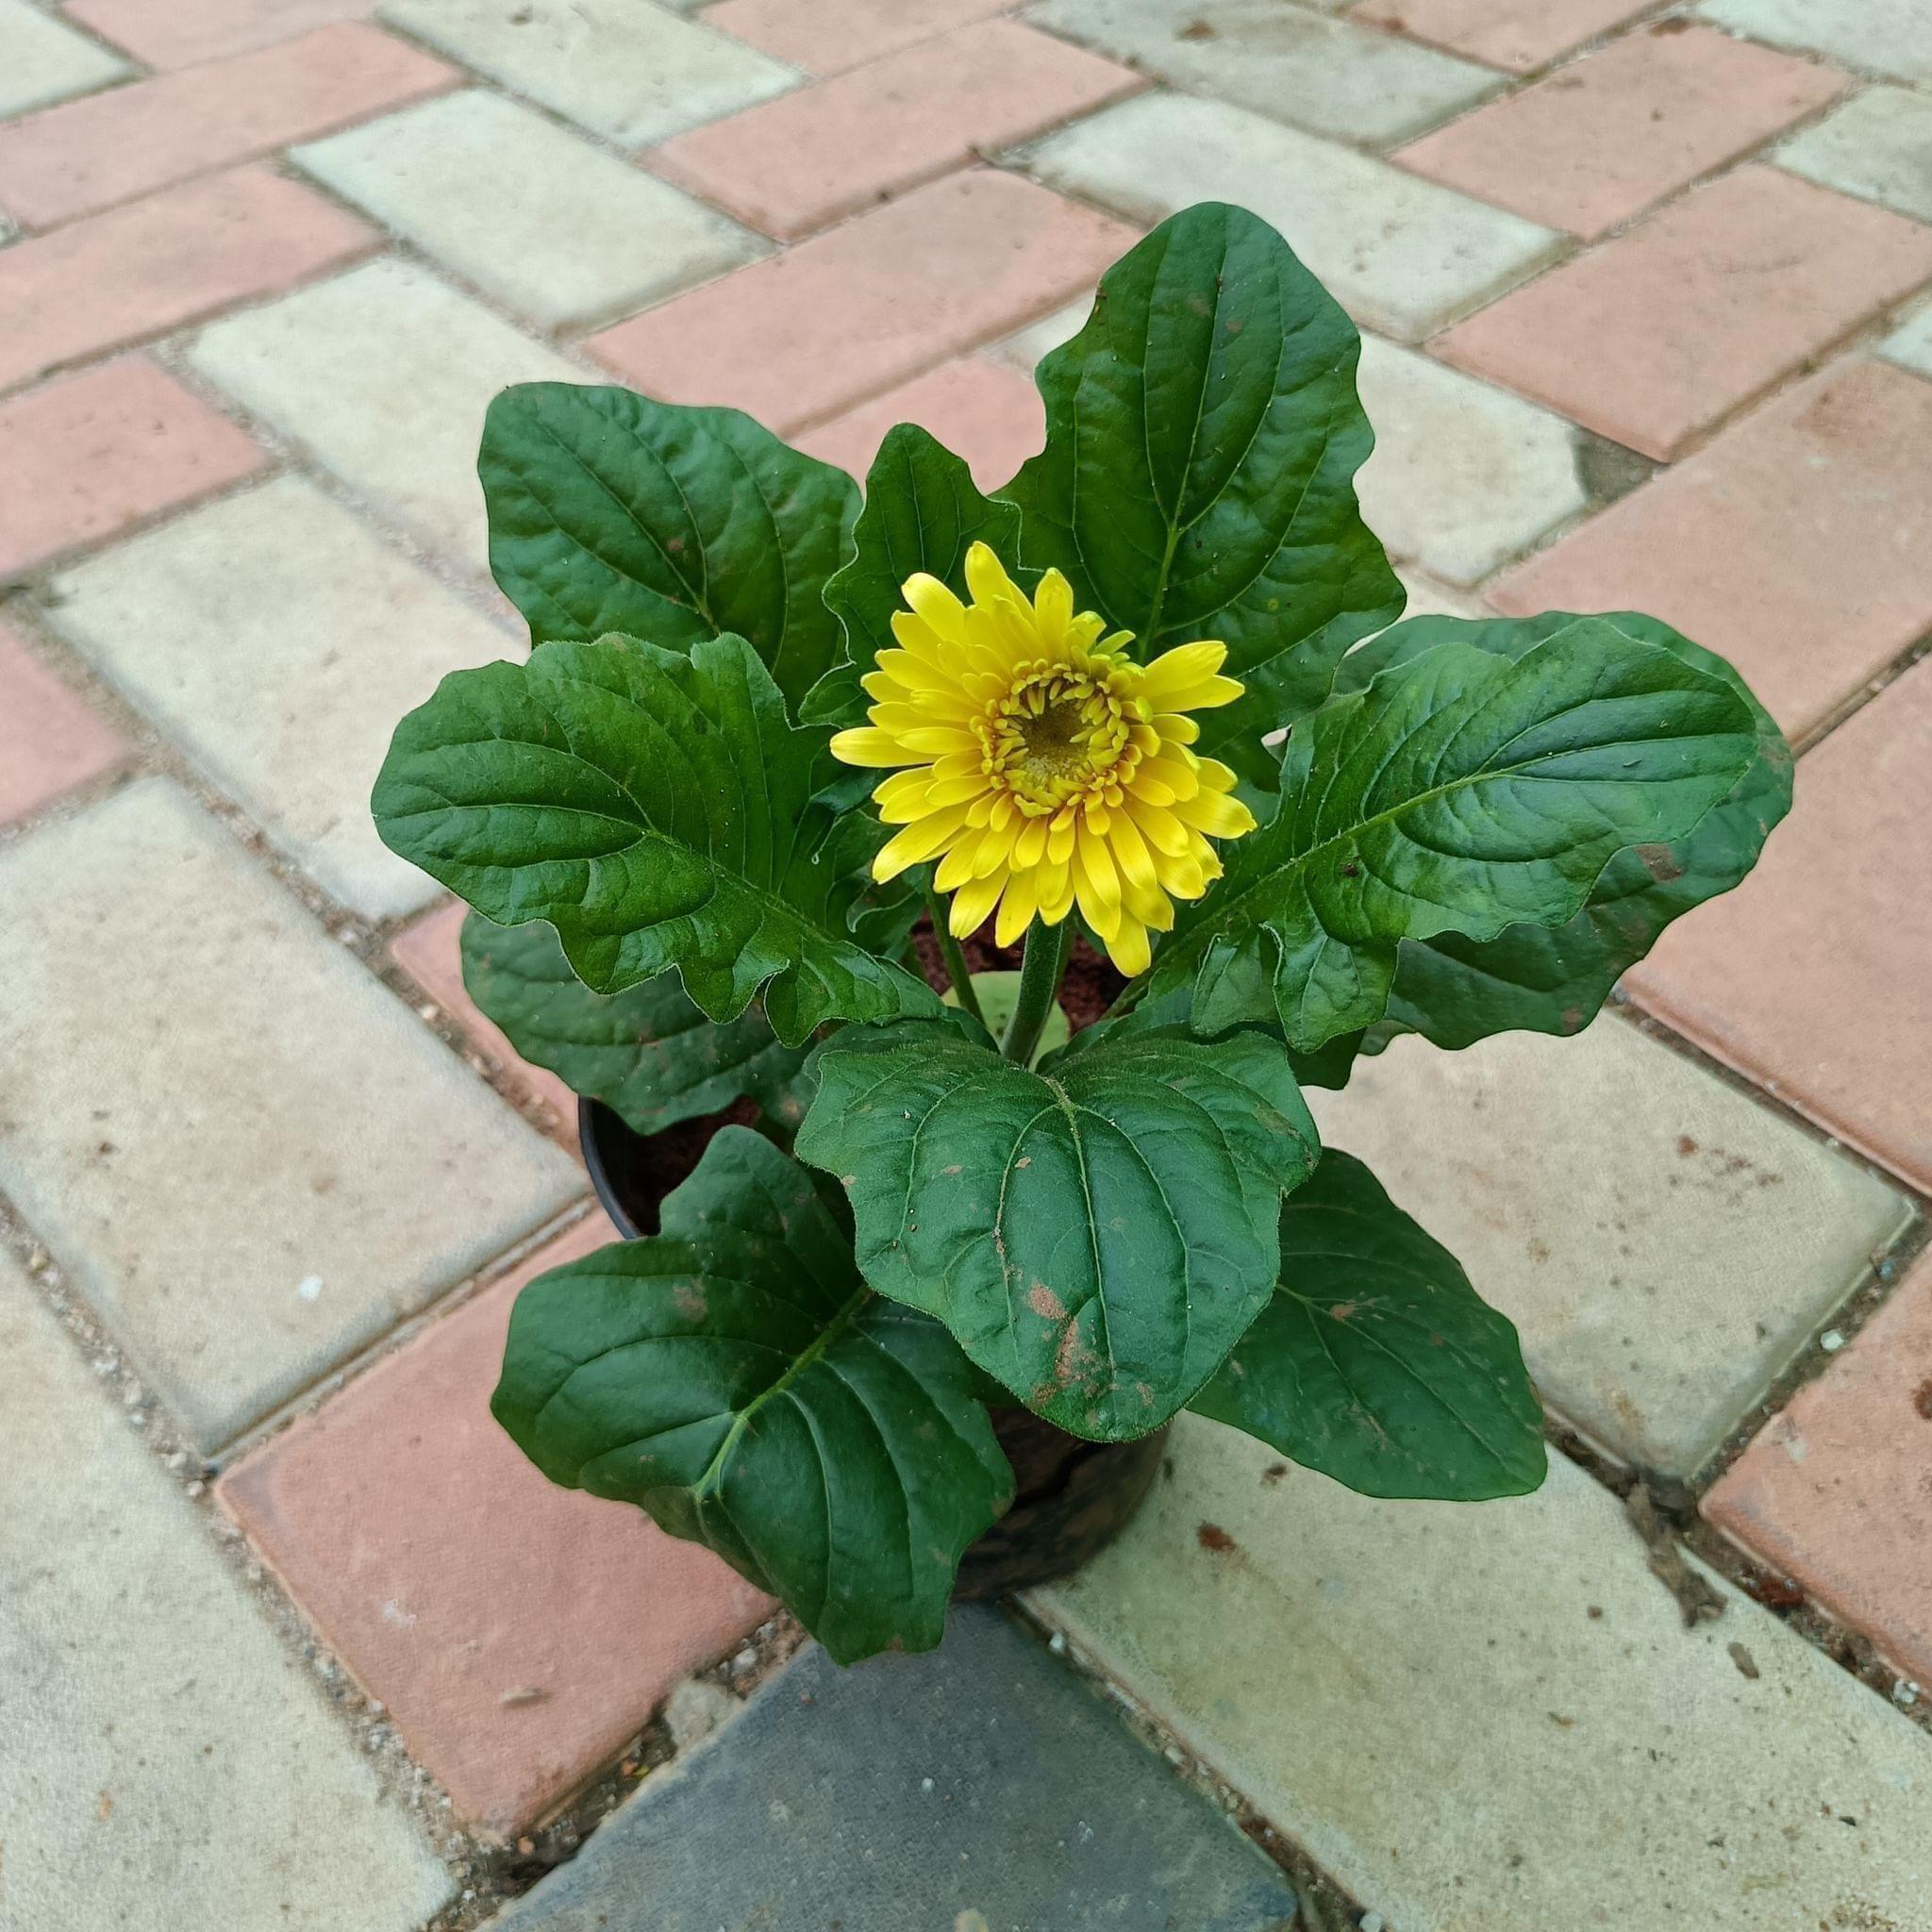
987	579
1158	825
1130	853
916	843
867	746
1149	905
956	868
937	606
1168	682
974	901
1029	848
1129	948
1101	914
1017	908
1216	814
1053	603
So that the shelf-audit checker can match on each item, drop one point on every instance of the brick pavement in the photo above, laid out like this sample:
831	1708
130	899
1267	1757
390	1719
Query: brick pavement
1647	291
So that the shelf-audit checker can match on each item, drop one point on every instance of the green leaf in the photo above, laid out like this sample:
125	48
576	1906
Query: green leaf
648	1053
1203	435
736	1377
611	512
1460	793
1095	1236
1376	1361
922	514
1456	990
658	811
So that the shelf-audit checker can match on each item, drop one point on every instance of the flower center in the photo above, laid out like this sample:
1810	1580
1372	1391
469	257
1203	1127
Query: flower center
1057	735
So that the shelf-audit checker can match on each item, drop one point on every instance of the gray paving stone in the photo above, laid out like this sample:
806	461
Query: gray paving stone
1891	37
1309	69
1024	349
1911	344
980	1787
167	1767
1490	1716
1877	145
1464	476
44	60
1665	1244
622	68
248	1155
383	375
555	227
1403	255
277	640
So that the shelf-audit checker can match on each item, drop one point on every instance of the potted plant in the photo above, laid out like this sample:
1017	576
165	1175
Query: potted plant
914	1279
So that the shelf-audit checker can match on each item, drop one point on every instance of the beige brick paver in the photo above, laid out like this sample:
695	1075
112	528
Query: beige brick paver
276	639
1326	74
1403	255
156	264
792	165
555	227
84	456
383	376
1672	324
168	1765
1887	37
263	1161
43	60
622	68
1603	137
1665	1244
88	155
845	314
1877	145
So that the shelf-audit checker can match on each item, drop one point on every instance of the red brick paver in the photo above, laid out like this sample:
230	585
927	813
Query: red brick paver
429	951
174	33
1520	35
1598	141
158	263
1799	544
837	34
517	1632
842	316
984	411
1837	1492
1811	978
1667	328
50	742
90	455
793	164
85	155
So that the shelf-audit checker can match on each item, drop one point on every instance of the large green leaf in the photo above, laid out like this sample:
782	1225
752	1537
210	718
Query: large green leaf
1461	791
736	1377
611	512
1203	435
922	512
1096	1235
1376	1361
659	810
648	1053
1456	990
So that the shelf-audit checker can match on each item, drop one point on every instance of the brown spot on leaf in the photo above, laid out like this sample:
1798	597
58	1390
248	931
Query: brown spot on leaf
1210	1536
1343	1311
1660	862
691	1301
1045	1304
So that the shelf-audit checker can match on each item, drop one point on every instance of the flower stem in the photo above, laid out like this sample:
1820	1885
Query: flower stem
1040	968
950	952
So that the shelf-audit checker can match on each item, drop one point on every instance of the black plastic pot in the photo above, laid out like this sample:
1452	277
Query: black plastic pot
1070	1498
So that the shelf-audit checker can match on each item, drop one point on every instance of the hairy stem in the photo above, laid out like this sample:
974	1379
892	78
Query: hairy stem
956	960
1040	968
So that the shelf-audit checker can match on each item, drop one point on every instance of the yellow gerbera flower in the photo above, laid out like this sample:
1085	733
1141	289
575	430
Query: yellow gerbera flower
1048	768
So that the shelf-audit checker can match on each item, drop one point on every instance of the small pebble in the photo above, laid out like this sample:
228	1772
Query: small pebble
310	1287
1905	1693
1831	1341
1372	1922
